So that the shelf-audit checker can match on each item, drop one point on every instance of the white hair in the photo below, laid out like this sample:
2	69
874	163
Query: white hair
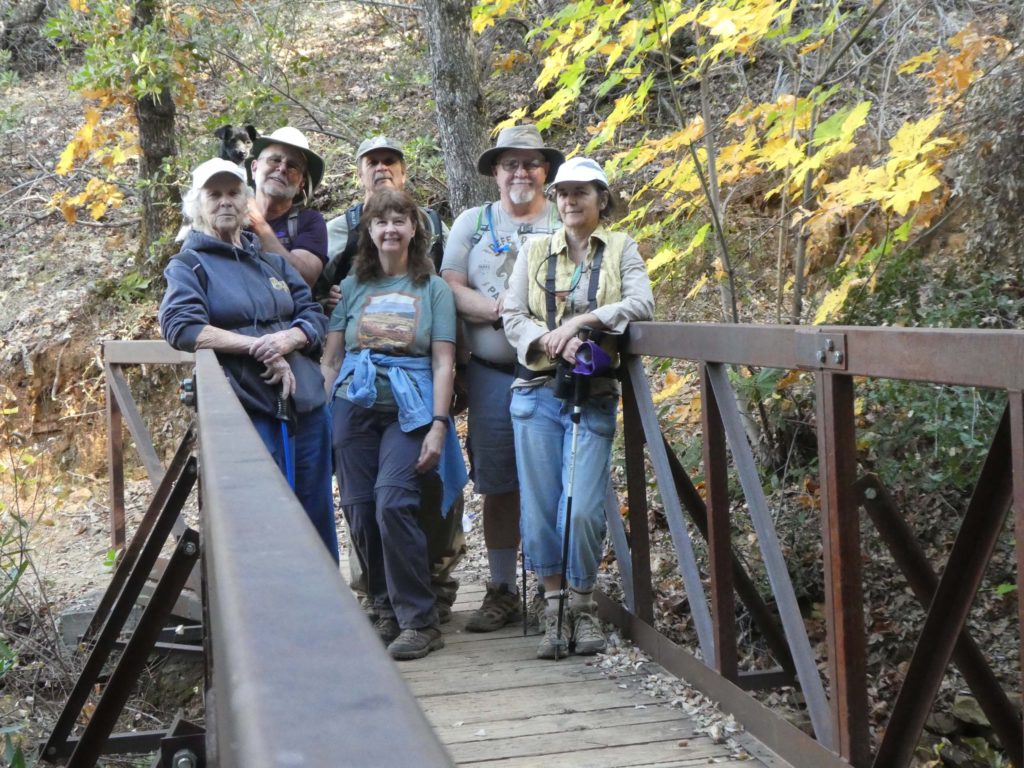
192	211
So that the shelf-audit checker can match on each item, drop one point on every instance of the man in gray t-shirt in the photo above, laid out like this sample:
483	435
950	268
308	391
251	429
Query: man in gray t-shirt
478	260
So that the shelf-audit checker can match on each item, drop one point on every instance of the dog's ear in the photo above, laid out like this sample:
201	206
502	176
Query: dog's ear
253	133
223	132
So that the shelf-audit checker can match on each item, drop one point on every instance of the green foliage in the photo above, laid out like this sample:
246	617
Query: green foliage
931	436
119	57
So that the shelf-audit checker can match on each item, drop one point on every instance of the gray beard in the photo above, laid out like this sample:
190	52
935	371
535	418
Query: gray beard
521	195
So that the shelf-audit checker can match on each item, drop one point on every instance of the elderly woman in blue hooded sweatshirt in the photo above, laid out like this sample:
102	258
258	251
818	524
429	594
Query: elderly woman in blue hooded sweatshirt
257	313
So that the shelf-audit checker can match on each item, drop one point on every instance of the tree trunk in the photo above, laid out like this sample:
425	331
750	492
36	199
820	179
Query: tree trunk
159	196
461	118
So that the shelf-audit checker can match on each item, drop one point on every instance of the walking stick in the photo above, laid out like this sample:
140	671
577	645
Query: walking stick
287	418
580	389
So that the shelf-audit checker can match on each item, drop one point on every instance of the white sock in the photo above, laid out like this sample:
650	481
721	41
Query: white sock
503	564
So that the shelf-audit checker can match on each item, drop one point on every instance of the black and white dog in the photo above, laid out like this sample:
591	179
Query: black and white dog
235	143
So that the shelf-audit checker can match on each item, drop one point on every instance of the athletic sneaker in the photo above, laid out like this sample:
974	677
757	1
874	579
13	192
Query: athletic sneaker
587	636
416	643
387	628
500	607
555	646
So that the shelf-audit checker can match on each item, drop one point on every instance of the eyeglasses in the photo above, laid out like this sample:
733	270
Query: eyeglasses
280	160
512	165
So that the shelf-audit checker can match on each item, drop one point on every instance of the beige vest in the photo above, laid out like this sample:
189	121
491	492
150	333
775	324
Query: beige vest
609	287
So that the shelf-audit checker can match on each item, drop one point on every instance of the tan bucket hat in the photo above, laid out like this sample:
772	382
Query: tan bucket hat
519	137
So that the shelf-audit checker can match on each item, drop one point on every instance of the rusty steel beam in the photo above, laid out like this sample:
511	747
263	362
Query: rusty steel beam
290	649
127	592
1016	409
771	554
844	589
133	420
154	352
968	657
766	621
125	676
719	531
636	489
126	563
770	728
965	567
115	464
620	545
685	555
935	355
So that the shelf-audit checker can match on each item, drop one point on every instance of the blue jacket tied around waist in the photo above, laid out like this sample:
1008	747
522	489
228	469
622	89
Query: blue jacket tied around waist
412	384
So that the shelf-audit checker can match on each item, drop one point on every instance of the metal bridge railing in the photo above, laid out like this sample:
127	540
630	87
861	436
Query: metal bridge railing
839	716
295	673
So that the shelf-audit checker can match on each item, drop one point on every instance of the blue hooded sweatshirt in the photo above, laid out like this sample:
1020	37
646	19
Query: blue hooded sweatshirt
212	282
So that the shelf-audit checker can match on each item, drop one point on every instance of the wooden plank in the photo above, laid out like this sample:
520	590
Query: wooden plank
700	751
481	678
582	696
529	744
562	723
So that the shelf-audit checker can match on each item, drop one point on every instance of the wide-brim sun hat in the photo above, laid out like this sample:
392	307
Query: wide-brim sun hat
519	137
291	137
379	142
213	167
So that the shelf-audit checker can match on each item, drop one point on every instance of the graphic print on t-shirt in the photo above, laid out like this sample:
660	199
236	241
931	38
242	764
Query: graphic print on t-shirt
388	322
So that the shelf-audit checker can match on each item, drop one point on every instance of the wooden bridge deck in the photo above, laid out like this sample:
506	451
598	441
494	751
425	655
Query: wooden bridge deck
495	705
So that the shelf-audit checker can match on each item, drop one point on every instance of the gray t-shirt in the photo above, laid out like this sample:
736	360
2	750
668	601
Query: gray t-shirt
488	264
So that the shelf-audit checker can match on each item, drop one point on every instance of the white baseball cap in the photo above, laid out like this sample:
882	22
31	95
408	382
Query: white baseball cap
579	169
206	171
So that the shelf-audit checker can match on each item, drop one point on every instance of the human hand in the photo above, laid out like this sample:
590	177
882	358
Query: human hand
554	342
276	345
257	221
333	297
279	372
430	451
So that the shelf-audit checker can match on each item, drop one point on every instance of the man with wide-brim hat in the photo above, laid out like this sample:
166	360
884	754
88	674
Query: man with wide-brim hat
478	259
285	172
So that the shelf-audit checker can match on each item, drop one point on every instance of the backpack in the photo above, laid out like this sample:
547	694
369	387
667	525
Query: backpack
338	268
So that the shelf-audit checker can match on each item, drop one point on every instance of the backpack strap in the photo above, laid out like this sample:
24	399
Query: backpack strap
437	239
549	284
337	268
293	223
483	213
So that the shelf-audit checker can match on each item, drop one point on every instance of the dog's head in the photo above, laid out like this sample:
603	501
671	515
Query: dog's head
235	143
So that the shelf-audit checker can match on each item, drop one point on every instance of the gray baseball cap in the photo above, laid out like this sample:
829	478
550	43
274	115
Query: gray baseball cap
379	142
519	137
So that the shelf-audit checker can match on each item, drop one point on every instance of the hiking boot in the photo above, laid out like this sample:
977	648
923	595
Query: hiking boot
416	643
587	636
387	628
535	612
554	646
500	607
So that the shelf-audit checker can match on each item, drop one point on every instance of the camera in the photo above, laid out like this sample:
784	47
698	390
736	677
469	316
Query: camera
563	384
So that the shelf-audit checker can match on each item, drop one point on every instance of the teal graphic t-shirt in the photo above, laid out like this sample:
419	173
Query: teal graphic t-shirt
393	316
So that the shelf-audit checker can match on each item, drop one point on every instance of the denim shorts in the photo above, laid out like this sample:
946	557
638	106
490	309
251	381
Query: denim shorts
491	444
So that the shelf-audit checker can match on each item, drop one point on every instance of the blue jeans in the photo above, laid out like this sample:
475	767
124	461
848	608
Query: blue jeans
543	433
312	454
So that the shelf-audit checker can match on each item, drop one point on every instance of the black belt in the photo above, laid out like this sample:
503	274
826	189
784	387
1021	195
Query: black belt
509	368
526	374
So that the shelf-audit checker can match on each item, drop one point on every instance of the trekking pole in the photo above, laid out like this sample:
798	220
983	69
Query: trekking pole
287	418
580	388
